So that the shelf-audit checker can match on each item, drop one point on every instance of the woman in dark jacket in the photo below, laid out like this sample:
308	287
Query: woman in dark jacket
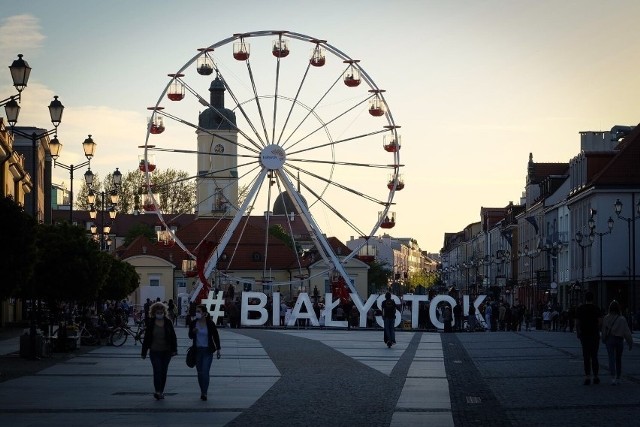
206	340
161	342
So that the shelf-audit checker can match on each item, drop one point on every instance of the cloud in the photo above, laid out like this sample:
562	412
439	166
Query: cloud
19	34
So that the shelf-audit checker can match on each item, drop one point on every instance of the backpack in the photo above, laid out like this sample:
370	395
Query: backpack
389	309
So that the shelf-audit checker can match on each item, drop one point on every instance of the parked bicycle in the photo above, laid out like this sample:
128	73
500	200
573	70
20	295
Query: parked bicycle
87	336
120	334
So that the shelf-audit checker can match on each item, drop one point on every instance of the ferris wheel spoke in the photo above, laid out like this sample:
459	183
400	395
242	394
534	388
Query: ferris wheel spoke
330	206
290	227
212	132
317	236
328	123
244	226
334	143
213	259
275	99
257	99
311	110
240	108
234	204
293	103
182	151
333	162
340	186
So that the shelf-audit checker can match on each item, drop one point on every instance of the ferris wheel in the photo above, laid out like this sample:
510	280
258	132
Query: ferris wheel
294	143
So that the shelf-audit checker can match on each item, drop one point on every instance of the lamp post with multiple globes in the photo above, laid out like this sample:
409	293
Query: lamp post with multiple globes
111	209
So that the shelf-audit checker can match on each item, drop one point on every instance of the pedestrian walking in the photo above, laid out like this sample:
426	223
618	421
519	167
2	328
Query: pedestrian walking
527	319
389	318
587	328
145	310
173	312
615	331
283	312
447	319
206	341
457	314
488	313
161	343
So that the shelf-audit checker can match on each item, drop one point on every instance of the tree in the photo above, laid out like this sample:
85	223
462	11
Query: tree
69	266
279	233
139	229
121	281
81	200
176	191
378	276
18	249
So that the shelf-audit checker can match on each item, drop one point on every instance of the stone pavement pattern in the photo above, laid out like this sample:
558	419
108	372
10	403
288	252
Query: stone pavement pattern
334	377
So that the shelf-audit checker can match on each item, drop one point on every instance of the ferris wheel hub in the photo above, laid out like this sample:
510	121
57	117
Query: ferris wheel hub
273	157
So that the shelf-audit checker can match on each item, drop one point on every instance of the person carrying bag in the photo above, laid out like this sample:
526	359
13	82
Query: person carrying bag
161	343
614	332
206	341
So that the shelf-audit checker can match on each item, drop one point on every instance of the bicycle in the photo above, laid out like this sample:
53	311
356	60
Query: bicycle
120	334
87	337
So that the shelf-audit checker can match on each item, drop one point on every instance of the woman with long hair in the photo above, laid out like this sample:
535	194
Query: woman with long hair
615	331
161	343
206	341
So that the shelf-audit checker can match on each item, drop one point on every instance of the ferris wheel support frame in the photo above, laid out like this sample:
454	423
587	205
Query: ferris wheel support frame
321	243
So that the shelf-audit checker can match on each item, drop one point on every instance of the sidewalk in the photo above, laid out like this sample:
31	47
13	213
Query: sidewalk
331	377
263	377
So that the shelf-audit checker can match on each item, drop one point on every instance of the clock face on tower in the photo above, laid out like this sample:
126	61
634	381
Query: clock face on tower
218	149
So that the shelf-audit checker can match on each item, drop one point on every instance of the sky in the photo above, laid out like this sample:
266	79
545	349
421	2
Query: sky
475	85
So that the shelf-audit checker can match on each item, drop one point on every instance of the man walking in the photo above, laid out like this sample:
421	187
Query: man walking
588	327
389	318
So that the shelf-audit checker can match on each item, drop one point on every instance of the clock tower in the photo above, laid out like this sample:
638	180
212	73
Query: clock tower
217	181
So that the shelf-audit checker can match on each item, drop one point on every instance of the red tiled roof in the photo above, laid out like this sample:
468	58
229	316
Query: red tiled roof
245	250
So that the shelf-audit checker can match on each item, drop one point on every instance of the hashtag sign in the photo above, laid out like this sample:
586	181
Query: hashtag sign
218	302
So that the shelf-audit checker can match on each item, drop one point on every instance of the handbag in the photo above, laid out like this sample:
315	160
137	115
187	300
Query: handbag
191	357
607	330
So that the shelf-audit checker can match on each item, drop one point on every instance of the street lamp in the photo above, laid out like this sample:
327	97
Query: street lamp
553	249
55	112
600	234
631	231
111	210
533	254
579	237
89	148
20	72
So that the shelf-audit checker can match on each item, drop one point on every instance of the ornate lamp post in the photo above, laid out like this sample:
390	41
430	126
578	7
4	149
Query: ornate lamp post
55	112
111	210
592	225
20	72
553	249
579	240
631	231
89	148
533	254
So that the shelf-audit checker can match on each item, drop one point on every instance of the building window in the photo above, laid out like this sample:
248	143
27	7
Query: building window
154	280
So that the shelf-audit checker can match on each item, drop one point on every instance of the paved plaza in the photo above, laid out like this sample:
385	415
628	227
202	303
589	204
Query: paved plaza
311	377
